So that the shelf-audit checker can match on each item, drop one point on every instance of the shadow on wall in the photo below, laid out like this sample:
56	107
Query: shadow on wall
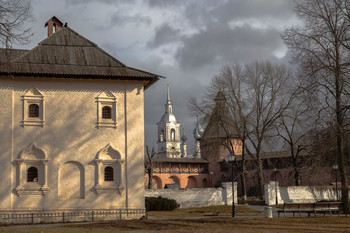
58	136
74	186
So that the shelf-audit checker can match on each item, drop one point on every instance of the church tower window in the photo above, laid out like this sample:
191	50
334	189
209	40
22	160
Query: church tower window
172	134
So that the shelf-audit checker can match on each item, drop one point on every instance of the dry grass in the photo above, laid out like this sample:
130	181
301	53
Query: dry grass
201	222
205	211
214	224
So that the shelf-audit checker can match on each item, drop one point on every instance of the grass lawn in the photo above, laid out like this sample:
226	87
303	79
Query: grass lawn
210	224
205	211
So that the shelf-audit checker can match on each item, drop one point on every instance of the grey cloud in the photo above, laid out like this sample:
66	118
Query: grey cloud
124	19
78	2
221	45
164	3
225	11
165	34
253	9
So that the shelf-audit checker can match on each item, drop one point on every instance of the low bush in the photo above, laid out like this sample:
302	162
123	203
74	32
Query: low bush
160	203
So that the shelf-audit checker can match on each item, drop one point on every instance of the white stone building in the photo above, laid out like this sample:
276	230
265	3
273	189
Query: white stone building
72	126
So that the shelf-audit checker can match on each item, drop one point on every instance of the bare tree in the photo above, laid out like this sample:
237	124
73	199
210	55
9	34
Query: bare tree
321	48
257	95
149	165
13	15
293	130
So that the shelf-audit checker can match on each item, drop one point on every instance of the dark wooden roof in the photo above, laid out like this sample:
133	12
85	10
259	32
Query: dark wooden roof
10	54
69	55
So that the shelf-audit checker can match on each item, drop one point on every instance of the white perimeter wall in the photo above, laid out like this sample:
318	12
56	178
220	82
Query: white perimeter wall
197	197
299	194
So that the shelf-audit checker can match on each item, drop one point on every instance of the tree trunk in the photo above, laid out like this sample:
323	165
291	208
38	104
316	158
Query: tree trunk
261	179
340	147
150	176
244	188
296	173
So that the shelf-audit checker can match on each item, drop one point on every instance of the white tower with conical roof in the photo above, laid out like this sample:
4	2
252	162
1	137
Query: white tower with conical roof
169	133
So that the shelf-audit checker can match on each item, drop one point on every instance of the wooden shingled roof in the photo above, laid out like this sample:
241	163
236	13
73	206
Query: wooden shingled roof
67	54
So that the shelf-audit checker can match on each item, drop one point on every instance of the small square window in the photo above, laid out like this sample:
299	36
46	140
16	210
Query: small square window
107	112
33	110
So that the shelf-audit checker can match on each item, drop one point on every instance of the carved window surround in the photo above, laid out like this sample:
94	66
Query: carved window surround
32	156
106	99
33	96
109	157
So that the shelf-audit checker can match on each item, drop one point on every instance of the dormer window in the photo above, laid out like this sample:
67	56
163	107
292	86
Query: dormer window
33	110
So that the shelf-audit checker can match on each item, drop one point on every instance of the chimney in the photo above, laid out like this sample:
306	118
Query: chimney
53	25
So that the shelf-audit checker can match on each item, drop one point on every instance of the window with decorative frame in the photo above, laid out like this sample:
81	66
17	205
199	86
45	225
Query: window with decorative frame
31	171
106	110
33	111
110	169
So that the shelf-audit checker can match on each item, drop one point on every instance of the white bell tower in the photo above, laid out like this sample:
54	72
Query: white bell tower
169	133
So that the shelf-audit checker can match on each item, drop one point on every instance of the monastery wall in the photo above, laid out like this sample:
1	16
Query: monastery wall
197	197
299	194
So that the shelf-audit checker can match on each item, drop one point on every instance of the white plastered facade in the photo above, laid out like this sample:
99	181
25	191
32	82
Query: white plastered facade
70	145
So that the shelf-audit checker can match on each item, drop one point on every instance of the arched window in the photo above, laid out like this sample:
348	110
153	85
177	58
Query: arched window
172	134
32	174
107	112
33	110
161	136
109	174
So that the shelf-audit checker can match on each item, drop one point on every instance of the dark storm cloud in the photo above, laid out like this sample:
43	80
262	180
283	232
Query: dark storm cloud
165	34
218	43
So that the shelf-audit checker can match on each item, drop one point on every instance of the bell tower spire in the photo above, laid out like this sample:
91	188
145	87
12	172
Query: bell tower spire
168	106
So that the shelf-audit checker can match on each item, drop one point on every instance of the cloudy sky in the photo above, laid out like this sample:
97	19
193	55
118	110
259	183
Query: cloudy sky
187	41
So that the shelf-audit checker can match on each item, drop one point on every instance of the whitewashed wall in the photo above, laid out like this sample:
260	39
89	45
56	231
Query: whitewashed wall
197	197
299	194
